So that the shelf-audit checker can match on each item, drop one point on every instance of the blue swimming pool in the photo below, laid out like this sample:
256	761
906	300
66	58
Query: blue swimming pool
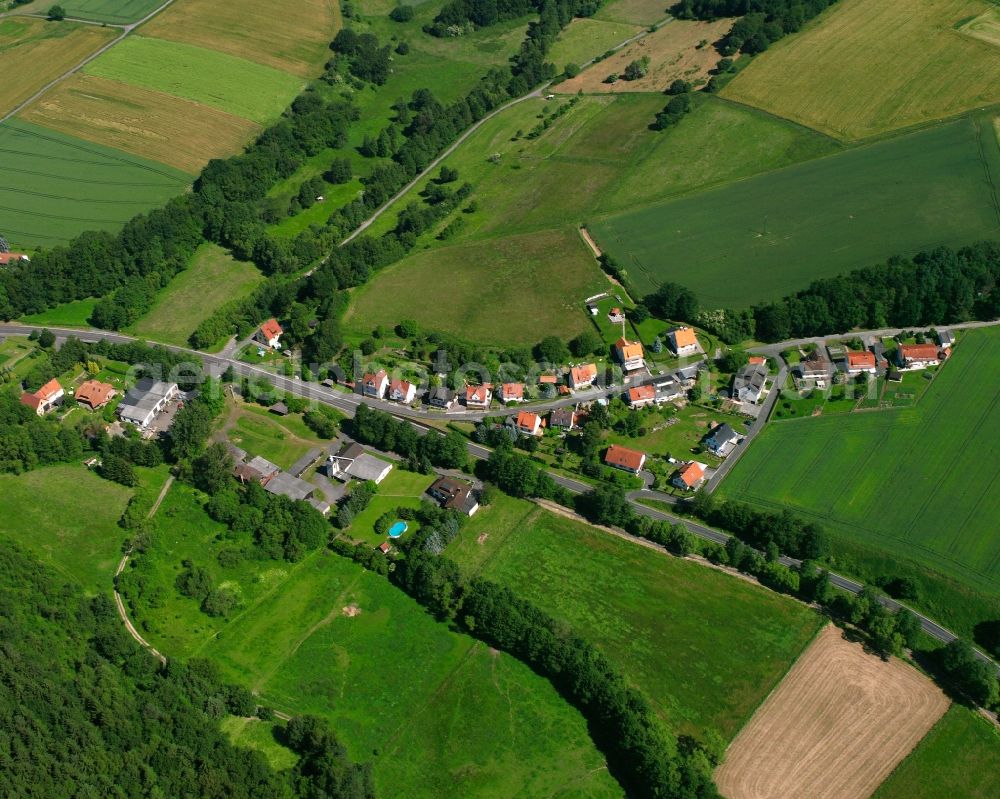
397	529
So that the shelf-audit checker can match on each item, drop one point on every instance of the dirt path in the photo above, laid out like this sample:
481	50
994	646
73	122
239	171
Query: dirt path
590	242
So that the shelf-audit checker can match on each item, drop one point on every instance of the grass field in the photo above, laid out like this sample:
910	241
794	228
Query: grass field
960	756
584	38
150	124
634	12
839	76
399	489
672	51
667	623
514	290
211	279
259	735
266	436
36	51
68	517
69	314
116	12
763	238
56	186
900	487
204	76
298	44
835	728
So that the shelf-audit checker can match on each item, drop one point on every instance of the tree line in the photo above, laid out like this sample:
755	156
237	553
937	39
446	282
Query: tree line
761	23
86	712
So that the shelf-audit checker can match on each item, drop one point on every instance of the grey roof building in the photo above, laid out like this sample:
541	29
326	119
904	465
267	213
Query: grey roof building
722	439
303	463
145	400
748	382
263	467
286	485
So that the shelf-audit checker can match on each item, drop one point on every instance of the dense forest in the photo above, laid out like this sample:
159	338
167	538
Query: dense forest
86	712
761	23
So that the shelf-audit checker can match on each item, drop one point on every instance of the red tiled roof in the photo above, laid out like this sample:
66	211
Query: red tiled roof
618	455
548	379
528	420
7	258
375	379
757	360
919	352
49	390
402	386
684	337
30	400
628	349
863	359
477	393
640	393
511	391
692	473
583	373
271	329
94	393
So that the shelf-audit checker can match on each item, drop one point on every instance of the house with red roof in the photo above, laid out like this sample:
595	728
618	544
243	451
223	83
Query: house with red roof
630	354
45	399
641	396
528	423
690	476
919	356
269	334
375	384
8	258
628	460
95	394
616	316
512	392
683	341
402	391
478	396
583	376
858	363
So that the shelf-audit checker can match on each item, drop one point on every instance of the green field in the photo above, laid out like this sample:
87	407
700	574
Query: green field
959	757
399	489
763	238
113	11
69	314
601	147
259	735
68	517
668	624
212	278
267	436
55	186
204	76
901	487
583	39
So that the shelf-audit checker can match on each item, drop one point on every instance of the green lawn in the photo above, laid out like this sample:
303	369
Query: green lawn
61	186
267	437
763	238
668	624
215	79
69	314
212	278
400	489
959	757
260	735
68	517
114	11
901	490
583	39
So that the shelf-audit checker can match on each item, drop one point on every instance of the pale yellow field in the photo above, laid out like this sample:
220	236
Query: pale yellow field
835	728
154	125
293	37
673	53
864	68
34	52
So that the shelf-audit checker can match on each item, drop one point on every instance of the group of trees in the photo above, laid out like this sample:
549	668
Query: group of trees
761	23
389	434
365	58
90	714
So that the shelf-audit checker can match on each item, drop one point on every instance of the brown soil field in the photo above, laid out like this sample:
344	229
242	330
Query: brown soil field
159	126
673	53
33	52
835	727
293	37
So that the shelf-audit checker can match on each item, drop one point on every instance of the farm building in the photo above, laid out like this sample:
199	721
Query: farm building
279	409
374	384
95	394
628	460
441	398
582	376
146	400
919	356
402	391
690	476
269	334
45	399
722	440
629	354
748	382
478	396
683	341
454	494
857	363
512	392
302	464
289	486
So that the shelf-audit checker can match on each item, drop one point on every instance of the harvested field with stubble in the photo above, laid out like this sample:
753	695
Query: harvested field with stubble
835	727
184	134
673	51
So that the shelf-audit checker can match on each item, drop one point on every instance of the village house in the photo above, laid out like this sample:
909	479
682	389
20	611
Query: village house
757	360
813	372
690	476
145	401
668	390
552	380
564	418
628	460
478	396
8	258
583	376
95	394
616	316
402	391
512	392
629	354
375	384
683	341
857	363
641	396
529	424
354	462
748	383
946	339
441	397
269	334
452	494
919	356
721	440
45	399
